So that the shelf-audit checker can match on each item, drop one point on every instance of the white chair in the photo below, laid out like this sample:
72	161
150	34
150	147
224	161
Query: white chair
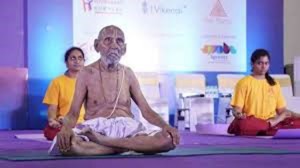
297	75
285	83
150	86
227	82
190	84
226	85
287	91
198	108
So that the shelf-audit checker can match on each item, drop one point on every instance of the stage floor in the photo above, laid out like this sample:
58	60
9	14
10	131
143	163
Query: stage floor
8	143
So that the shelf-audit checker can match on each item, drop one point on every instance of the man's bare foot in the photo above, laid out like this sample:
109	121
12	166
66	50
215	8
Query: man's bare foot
85	130
99	138
94	136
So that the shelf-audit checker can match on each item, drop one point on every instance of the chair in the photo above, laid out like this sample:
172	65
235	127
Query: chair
190	93
286	87
227	82
226	85
150	86
285	83
190	84
296	75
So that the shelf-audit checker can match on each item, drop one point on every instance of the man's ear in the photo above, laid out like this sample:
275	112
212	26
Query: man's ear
124	49
96	42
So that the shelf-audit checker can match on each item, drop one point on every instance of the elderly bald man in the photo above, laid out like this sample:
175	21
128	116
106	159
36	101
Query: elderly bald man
106	88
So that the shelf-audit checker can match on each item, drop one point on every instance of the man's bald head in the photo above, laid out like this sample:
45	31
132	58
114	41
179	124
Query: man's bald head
111	29
111	44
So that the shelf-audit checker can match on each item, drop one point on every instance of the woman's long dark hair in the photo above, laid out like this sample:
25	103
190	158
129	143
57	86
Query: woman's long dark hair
257	54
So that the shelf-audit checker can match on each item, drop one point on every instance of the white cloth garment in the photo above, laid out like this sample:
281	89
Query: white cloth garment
119	127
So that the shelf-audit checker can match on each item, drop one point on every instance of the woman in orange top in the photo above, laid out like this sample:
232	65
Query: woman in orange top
60	92
258	104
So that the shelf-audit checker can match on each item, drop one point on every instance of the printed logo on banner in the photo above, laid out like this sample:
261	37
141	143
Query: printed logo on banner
103	6
218	10
219	52
219	49
151	8
218	14
87	5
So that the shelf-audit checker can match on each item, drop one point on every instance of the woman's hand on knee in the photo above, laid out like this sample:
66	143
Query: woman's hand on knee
238	114
54	123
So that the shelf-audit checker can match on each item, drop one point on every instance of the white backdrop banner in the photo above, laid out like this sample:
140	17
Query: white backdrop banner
163	35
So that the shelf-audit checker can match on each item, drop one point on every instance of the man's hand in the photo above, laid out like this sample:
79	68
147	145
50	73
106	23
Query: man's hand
64	138
173	132
54	123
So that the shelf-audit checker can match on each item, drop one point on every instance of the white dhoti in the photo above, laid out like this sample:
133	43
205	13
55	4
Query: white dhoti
119	127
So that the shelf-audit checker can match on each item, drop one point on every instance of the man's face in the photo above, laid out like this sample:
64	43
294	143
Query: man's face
111	44
261	66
